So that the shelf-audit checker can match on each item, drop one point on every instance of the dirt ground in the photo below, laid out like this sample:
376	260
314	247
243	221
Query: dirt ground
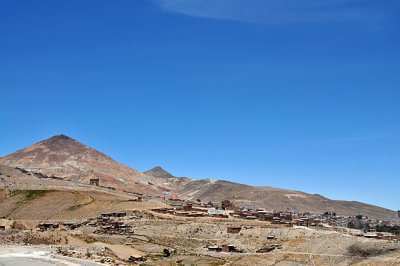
161	239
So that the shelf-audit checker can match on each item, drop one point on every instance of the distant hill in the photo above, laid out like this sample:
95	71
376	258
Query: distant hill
63	158
266	197
158	172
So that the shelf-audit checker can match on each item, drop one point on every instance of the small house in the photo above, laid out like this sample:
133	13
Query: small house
48	225
233	230
214	248
228	248
371	235
94	182
120	214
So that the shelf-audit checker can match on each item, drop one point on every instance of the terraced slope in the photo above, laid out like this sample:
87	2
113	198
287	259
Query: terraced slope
65	205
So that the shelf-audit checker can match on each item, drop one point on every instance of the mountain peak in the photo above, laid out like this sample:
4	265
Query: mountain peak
59	144
63	157
158	172
61	137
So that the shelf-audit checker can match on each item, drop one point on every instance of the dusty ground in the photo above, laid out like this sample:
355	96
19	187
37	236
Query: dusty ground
186	239
67	205
37	256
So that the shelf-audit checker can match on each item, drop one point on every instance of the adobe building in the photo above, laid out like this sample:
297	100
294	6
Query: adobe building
94	182
214	248
233	230
188	207
228	248
228	206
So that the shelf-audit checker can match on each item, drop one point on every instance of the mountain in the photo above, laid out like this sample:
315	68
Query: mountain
266	197
64	158
158	172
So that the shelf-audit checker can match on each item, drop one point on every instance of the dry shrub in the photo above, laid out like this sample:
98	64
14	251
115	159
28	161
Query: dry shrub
34	239
87	239
18	226
368	249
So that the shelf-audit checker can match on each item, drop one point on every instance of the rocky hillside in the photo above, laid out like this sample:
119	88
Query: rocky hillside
158	172
45	164
65	158
67	205
266	197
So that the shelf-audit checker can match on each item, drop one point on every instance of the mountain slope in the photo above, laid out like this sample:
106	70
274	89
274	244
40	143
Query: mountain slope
158	172
65	158
267	197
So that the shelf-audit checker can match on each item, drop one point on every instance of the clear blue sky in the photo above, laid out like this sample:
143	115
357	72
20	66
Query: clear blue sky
294	94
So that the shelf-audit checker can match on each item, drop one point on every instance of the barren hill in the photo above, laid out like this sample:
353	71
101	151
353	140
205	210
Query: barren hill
26	196
61	158
267	197
65	158
158	172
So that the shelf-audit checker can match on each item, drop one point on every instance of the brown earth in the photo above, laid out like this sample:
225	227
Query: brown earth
66	205
264	197
65	158
61	159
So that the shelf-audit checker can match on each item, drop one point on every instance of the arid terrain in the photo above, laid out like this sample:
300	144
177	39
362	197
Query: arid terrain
63	158
263	197
46	202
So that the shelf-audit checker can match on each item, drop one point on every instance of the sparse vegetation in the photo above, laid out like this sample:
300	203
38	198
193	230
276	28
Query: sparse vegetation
62	251
387	228
34	194
75	207
80	205
166	252
367	249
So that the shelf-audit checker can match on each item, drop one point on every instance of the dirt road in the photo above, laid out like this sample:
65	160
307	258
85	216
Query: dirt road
35	256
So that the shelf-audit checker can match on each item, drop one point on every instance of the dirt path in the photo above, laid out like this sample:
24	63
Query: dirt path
37	256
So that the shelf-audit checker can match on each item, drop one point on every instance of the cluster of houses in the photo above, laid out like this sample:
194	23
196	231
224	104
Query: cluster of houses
224	248
227	209
107	223
232	248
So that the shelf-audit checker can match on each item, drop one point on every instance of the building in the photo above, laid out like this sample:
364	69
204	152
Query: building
371	235
48	225
188	207
214	248
233	230
228	248
94	181
227	205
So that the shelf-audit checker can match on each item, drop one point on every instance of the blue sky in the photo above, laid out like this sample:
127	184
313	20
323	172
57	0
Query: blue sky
293	94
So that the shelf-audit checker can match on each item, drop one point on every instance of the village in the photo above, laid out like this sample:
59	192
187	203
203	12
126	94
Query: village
122	223
328	220
122	227
155	229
